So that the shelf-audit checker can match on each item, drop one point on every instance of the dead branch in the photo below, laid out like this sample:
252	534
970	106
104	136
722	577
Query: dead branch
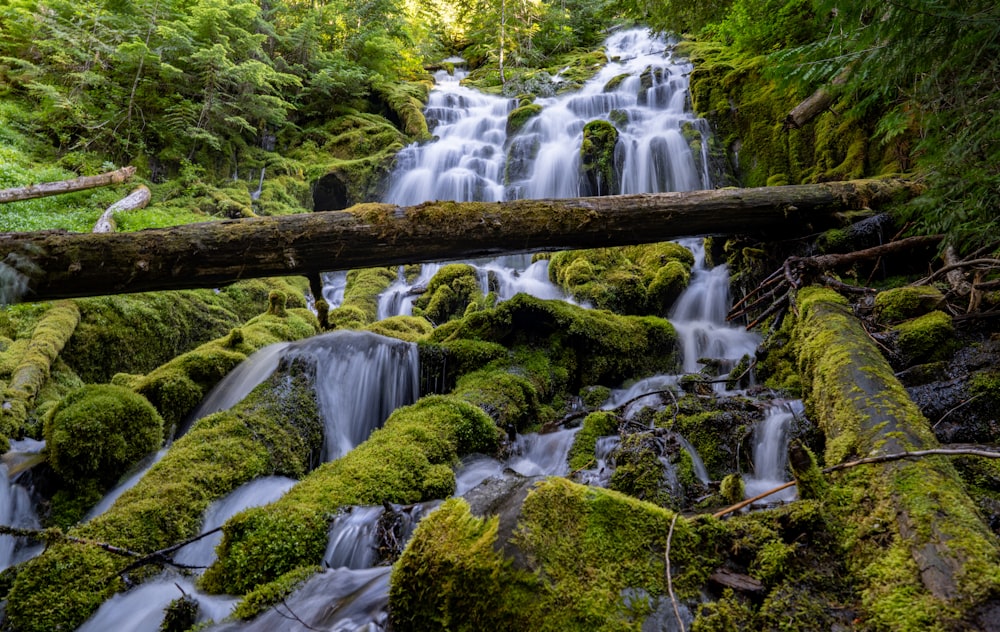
33	191
670	582
135	200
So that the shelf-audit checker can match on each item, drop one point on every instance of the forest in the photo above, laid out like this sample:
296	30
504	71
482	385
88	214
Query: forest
418	356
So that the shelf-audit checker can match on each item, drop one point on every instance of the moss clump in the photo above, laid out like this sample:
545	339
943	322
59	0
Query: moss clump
409	328
614	83
902	303
266	596
398	463
589	346
137	333
926	338
275	430
594	396
595	426
519	116
597	157
449	293
631	280
99	432
581	553
177	387
404	103
510	400
360	305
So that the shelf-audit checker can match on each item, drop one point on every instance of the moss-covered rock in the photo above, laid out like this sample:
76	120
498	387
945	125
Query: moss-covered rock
63	586
926	338
519	116
572	562
590	346
177	387
595	425
99	432
404	105
449	293
902	303
510	400
399	463
409	328
360	305
643	279
597	158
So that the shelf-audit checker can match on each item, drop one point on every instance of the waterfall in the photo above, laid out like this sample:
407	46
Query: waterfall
16	510
770	451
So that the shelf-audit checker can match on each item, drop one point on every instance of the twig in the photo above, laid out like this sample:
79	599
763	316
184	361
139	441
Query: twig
885	458
957	266
292	616
670	582
968	401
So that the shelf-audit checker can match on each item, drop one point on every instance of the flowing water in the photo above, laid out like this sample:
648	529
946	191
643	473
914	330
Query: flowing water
770	452
363	377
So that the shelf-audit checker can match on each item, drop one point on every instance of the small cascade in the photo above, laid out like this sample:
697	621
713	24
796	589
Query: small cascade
16	510
600	474
361	378
645	392
257	492
129	481
475	469
141	609
353	541
542	454
770	452
334	285
699	466
397	300
247	376
699	317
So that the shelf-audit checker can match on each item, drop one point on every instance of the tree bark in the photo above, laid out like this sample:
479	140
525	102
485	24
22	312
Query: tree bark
55	264
133	201
33	191
814	105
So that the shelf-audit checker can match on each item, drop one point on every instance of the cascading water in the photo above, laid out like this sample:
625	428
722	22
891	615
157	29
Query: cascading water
770	452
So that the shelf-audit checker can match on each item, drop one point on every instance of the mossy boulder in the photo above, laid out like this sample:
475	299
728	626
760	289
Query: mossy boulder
360	305
926	338
409	328
595	425
408	460
519	116
449	293
567	559
99	432
177	387
597	158
643	279
589	346
511	400
404	105
65	584
902	303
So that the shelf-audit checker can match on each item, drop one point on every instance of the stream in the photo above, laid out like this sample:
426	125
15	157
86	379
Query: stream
362	377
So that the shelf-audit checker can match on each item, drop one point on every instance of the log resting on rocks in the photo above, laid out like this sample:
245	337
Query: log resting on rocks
55	264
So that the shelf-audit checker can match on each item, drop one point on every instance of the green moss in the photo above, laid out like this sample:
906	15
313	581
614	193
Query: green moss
589	559
449	293
902	303
926	338
592	347
631	280
597	157
99	432
615	82
361	296
519	116
595	425
640	473
396	464
275	430
510	400
177	387
594	396
264	597
409	328
405	102
732	490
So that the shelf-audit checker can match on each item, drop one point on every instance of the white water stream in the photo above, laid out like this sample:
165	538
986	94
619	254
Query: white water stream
363	377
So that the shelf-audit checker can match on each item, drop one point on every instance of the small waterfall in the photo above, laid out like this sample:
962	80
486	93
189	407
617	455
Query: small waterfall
130	481
141	608
600	474
361	378
353	540
16	510
770	452
261	491
699	466
699	316
543	454
397	299
334	284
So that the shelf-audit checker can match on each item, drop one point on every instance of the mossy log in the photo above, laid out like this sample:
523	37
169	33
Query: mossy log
135	200
47	340
928	560
55	264
33	191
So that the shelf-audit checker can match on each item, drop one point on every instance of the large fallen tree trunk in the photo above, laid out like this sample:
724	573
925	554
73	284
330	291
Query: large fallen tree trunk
33	191
920	539
53	265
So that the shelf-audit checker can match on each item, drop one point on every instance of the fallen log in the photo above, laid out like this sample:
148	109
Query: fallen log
55	264
133	201
814	105
33	191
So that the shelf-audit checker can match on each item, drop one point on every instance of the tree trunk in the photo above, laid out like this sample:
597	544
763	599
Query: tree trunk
55	264
922	508
133	201
33	191
814	105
